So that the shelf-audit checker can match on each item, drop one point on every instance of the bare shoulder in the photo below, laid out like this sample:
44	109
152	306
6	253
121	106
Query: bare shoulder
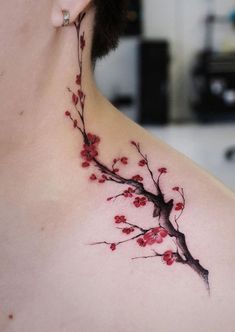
144	242
172	225
163	235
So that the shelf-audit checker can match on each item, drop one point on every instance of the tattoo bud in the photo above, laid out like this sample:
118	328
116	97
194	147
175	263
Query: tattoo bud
137	178
142	163
82	42
128	230
78	79
124	160
113	246
80	94
93	177
168	257
162	170
119	219
134	143
179	206
75	99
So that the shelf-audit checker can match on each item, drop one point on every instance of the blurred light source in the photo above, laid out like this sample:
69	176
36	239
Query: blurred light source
217	87
229	97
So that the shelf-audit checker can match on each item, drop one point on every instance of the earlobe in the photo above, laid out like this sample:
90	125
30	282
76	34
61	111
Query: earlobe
74	7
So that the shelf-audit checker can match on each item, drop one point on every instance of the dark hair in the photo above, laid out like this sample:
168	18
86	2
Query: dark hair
110	18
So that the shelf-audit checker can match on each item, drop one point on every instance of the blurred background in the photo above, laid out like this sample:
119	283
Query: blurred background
174	73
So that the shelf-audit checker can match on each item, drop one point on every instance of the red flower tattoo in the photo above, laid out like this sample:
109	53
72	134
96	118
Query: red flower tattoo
128	192
124	160
155	235
128	230
141	242
82	42
113	246
78	79
119	219
166	210
137	178
168	257
142	162
179	206
162	170
140	201
74	99
93	177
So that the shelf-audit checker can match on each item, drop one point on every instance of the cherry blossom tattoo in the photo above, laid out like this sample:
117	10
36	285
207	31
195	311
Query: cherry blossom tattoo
166	213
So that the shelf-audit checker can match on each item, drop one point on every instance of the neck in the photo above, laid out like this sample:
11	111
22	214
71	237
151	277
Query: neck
35	93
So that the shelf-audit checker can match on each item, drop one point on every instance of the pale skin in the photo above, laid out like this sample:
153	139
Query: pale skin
51	279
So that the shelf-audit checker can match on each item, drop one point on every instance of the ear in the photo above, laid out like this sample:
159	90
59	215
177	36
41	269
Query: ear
75	7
